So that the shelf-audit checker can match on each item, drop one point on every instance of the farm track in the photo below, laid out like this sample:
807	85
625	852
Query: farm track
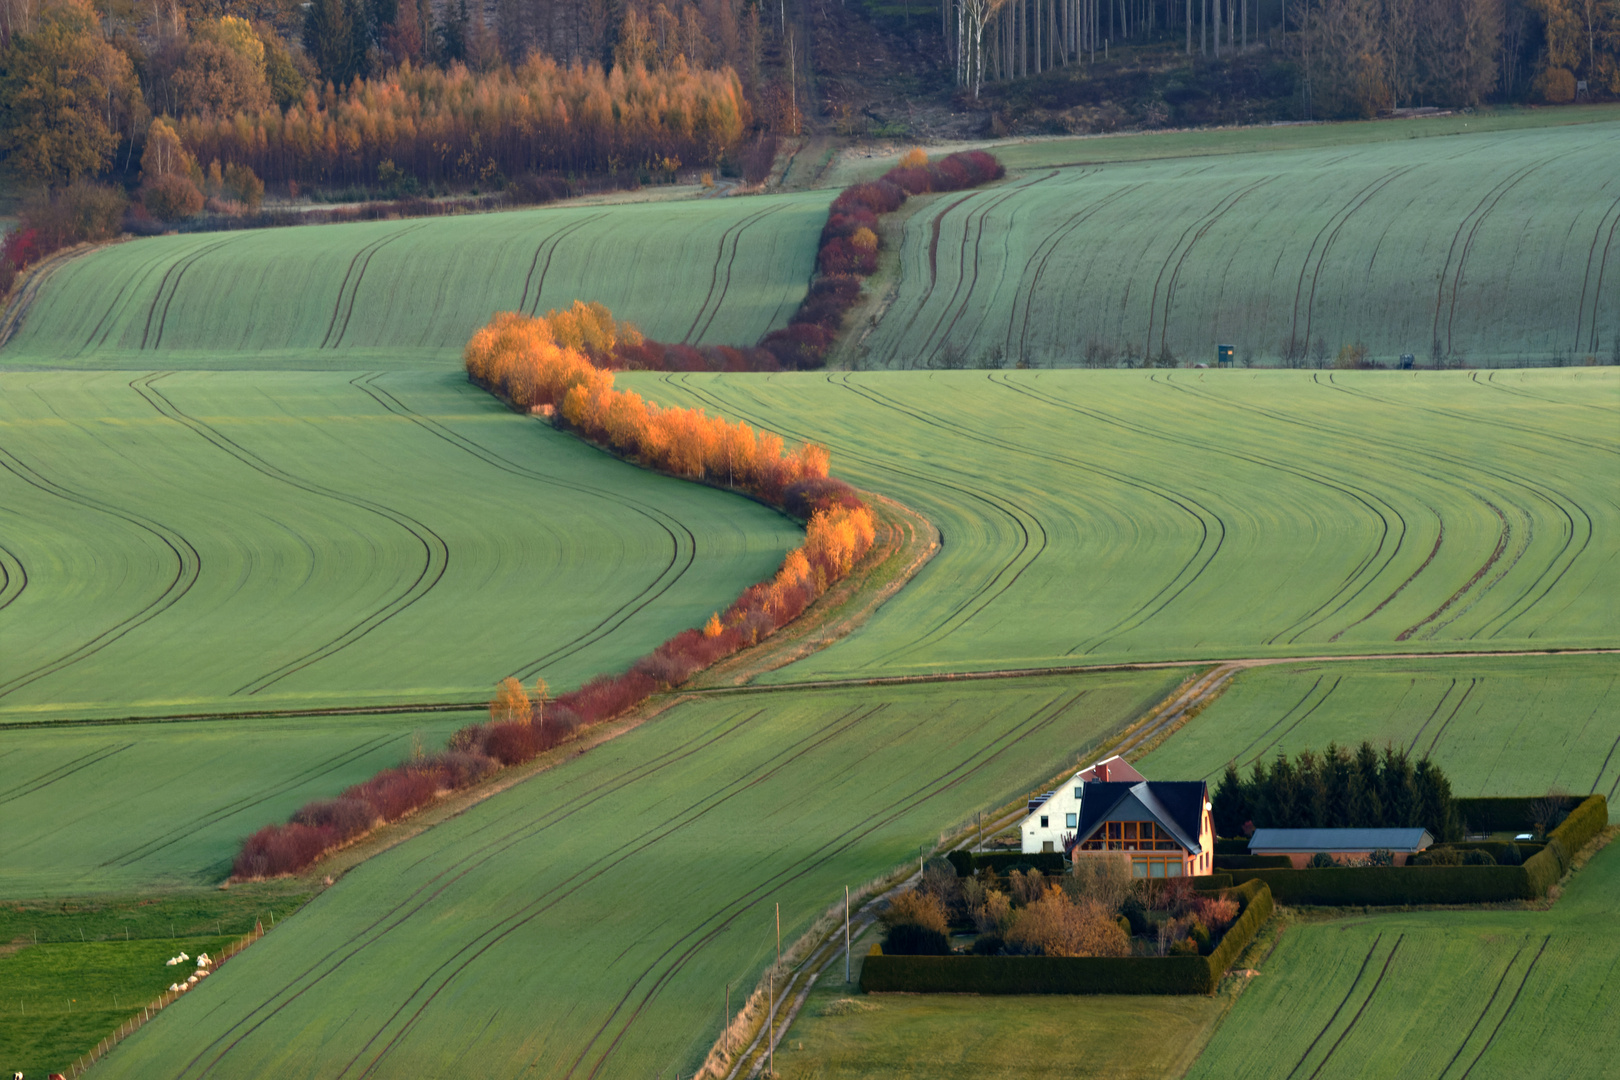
549	246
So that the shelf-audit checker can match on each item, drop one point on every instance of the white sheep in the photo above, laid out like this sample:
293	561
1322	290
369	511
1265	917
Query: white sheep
171	961
183	955
192	979
174	987
203	961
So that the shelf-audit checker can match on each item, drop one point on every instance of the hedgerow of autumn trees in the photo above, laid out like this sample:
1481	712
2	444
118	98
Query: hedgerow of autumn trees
546	363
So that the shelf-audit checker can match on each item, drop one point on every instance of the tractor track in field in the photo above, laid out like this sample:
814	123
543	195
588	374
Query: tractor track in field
732	233
1510	480
985	596
1586	278
1468	245
1202	225
1300	1064
1175	275
1502	538
13	577
935	339
551	239
1491	383
681	557
1349	211
67	768
1390	959
314	771
1528	971
1051	243
901	805
464	864
1440	732
29	286
1186	503
128	287
359	276
364	251
1553	497
694	334
436	552
1477	214
1321	613
178	270
188	566
1361	495
1243	756
1480	1019
972	493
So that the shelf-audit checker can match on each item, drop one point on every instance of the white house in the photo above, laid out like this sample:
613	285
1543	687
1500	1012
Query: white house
1053	817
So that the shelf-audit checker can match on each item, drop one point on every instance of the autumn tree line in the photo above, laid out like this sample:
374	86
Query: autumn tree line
546	364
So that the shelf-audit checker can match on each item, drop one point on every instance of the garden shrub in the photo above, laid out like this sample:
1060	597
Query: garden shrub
911	940
1322	861
1477	857
171	197
1511	855
1047	862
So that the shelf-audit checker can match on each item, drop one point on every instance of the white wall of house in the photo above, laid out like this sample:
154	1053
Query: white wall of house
1059	816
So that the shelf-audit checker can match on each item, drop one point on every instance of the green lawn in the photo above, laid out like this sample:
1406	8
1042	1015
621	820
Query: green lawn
1443	994
392	294
1493	245
587	921
75	970
1498	727
1105	516
280	540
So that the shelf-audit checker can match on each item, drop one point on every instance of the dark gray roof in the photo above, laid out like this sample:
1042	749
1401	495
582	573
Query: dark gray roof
1283	841
1178	805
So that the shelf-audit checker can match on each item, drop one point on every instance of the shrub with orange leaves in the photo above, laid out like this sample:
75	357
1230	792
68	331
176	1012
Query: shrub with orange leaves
915	158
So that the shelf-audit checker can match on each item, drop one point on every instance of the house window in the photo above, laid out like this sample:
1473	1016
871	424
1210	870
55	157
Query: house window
1131	836
1071	821
1155	867
1043	821
1077	793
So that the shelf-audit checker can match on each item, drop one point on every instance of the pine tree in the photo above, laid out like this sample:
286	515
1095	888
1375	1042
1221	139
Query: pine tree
1231	803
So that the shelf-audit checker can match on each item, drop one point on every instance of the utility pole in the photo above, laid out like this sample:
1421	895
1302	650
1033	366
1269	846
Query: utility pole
846	933
770	1035
778	934
725	1023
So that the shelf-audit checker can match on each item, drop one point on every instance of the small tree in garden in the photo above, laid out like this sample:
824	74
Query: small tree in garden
916	926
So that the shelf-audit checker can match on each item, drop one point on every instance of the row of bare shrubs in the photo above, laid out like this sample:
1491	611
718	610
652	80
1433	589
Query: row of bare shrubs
544	363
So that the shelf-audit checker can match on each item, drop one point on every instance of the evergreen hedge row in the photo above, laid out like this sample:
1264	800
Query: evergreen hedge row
1378	886
1071	974
966	862
1507	814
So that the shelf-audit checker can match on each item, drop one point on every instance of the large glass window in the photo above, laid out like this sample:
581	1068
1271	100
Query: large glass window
1130	836
1071	820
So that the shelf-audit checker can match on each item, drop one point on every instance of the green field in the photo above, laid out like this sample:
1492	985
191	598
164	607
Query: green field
587	922
1443	994
1499	246
76	969
389	294
1498	726
156	805
235	541
1104	516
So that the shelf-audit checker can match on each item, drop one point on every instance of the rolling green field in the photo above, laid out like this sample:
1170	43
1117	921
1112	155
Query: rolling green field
587	922
232	541
1515	726
392	294
1500	247
122	807
1105	516
1443	994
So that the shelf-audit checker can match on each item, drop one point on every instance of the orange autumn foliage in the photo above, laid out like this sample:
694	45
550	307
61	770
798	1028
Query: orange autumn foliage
552	360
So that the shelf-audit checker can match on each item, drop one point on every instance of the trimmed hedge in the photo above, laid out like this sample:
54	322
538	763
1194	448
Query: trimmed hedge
1379	886
1253	862
1071	974
1047	862
1510	814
